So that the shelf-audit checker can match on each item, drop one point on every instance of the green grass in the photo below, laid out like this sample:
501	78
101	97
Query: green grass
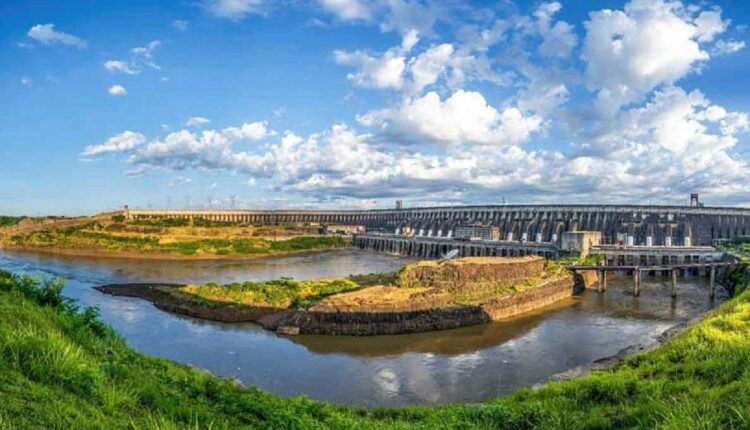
62	369
280	293
88	237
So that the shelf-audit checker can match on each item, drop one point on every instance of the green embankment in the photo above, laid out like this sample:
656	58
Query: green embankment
86	239
61	369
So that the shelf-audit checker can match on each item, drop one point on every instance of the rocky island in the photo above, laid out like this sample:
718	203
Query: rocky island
425	296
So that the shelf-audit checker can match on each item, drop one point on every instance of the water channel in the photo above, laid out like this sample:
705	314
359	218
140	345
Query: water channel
471	364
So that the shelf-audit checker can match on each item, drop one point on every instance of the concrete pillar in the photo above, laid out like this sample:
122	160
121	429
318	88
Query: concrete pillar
712	283
602	278
636	282
668	241
630	240
649	241
674	283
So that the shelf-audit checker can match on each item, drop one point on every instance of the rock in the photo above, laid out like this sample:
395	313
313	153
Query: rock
287	330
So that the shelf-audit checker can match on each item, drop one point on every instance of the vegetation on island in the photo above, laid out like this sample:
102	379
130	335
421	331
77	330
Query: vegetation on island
62	368
117	238
280	293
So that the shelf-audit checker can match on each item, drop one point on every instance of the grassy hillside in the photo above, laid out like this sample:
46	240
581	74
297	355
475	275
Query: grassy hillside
60	369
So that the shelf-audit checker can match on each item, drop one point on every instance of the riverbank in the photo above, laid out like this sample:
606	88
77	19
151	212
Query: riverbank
426	296
103	239
97	253
61	368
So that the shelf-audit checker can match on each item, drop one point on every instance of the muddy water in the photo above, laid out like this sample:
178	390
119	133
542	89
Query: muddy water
464	365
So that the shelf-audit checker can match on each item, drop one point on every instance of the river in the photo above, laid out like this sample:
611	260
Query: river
471	364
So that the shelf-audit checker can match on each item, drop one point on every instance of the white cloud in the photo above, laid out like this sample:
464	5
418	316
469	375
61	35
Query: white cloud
429	65
347	9
25	80
235	9
194	121
145	54
726	47
463	118
123	142
385	71
117	90
46	34
250	130
558	39
181	24
121	67
649	43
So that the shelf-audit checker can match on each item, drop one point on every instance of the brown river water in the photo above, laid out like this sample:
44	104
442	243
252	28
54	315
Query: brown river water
470	364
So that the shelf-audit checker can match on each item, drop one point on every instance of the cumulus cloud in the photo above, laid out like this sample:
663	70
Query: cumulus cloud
379	71
250	130
633	136
385	71
47	35
234	9
123	142
117	90
194	121
629	52
463	118
558	39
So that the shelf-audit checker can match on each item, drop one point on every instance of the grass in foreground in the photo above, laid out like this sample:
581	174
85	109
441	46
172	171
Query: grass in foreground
60	369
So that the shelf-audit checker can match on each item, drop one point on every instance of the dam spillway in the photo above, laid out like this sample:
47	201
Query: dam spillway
627	224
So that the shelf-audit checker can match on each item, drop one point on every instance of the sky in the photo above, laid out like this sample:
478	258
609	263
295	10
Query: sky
355	104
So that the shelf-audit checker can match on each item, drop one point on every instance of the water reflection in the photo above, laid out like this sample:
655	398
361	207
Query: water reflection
468	364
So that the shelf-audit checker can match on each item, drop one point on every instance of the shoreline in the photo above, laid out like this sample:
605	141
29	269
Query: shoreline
89	253
612	361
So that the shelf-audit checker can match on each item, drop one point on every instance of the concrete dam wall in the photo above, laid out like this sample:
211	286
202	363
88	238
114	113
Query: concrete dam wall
630	225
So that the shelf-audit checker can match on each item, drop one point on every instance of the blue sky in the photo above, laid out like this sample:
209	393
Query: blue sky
353	103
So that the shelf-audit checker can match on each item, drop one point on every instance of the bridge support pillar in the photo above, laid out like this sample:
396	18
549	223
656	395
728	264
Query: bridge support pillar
674	283
712	283
636	282
602	275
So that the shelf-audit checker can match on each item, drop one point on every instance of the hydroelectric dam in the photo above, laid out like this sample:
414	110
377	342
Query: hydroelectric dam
618	224
536	229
